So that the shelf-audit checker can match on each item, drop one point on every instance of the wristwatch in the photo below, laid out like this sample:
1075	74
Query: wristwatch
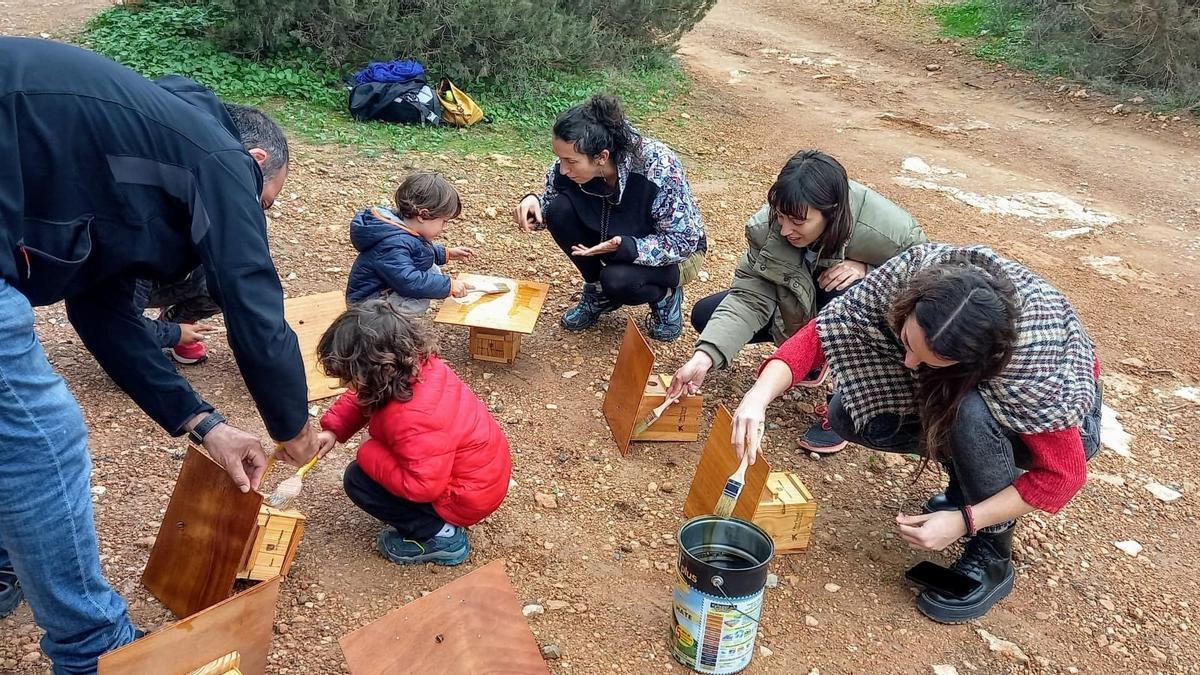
198	432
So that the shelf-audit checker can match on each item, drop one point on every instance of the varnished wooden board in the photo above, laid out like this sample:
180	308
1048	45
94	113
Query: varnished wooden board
202	539
471	625
310	316
516	310
631	373
242	623
717	464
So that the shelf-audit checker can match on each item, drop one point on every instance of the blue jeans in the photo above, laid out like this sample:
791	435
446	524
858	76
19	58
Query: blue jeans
47	532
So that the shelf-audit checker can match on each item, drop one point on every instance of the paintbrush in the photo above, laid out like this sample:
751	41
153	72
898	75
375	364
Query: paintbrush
289	489
649	420
493	289
733	489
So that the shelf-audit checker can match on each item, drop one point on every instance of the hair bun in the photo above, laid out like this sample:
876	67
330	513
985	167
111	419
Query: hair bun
605	109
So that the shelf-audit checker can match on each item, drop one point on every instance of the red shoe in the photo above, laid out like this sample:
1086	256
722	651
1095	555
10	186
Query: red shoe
189	354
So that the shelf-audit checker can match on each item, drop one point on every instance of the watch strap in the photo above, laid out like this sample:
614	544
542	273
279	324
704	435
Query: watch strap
198	432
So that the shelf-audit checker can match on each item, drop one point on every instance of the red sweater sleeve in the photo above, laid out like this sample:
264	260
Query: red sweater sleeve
344	418
1059	469
801	352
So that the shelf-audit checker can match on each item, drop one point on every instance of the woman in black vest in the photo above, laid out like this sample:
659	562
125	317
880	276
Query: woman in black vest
620	207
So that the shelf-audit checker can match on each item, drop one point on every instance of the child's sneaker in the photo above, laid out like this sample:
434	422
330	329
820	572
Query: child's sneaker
665	321
451	550
188	354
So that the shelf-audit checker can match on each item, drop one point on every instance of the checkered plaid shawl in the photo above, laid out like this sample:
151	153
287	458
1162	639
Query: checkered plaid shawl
1048	386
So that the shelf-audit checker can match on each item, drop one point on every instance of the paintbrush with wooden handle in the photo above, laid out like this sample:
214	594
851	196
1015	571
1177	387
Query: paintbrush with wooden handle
649	420
733	489
289	489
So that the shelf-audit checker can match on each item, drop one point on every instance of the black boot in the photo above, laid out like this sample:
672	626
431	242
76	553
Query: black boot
950	500
941	502
988	559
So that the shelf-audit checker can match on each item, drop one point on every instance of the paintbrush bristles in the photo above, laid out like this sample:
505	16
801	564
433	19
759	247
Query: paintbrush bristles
727	502
285	492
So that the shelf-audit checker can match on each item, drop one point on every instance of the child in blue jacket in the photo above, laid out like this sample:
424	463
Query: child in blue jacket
397	258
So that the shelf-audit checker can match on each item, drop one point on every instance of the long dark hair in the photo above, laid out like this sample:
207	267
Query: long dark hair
968	315
813	179
376	351
596	125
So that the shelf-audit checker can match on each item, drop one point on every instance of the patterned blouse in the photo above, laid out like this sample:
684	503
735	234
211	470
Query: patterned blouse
680	229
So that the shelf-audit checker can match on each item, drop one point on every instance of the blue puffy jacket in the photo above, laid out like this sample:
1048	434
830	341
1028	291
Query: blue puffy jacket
393	257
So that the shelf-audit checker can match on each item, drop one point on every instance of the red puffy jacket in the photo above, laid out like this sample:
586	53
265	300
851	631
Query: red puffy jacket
442	447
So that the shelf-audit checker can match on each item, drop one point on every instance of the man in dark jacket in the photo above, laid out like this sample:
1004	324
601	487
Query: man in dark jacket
107	178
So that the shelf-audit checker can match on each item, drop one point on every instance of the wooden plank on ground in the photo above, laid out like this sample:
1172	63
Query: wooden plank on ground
717	463
471	625
202	539
310	316
630	376
243	623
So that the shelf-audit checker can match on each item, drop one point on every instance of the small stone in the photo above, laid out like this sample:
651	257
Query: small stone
813	455
763	650
546	501
933	67
1129	546
569	374
666	486
551	406
1133	362
530	610
1003	647
652	488
1108	604
580	607
1158	654
98	490
292	276
772	581
145	542
490	212
1109	478
945	670
811	621
1043	616
1163	493
551	652
555	605
31	657
661	566
548	545
832	588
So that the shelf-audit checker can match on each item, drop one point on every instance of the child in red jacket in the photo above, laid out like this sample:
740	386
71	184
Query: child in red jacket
436	462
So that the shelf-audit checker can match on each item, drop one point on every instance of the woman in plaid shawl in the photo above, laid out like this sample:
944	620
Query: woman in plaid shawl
976	363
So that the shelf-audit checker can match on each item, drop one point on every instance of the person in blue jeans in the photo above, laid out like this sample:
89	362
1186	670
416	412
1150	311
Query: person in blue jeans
107	178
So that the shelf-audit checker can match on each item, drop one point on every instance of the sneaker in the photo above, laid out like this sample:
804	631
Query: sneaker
665	321
592	304
450	550
820	437
987	558
188	354
10	592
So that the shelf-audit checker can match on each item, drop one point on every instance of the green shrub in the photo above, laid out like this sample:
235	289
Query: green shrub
160	37
1150	46
509	40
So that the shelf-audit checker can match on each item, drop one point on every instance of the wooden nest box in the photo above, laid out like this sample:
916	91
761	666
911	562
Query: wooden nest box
776	501
634	391
272	544
496	320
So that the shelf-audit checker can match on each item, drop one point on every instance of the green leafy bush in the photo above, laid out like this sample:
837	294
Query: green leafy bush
508	40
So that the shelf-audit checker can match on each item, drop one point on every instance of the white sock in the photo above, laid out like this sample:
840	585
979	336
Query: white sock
447	530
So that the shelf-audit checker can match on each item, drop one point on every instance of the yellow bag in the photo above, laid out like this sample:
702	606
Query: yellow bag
458	109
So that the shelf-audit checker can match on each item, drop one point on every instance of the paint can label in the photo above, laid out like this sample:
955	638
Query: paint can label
712	634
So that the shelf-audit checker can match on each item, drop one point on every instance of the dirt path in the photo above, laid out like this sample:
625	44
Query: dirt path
49	18
602	561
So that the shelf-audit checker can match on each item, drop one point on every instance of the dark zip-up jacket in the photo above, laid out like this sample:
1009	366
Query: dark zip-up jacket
106	178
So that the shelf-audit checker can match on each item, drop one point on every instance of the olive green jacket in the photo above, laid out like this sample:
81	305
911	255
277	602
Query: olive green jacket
774	283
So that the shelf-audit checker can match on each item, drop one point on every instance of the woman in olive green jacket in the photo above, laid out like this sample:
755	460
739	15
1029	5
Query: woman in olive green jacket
818	234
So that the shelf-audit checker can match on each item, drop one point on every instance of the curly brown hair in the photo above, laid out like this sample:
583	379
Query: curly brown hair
377	351
427	194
